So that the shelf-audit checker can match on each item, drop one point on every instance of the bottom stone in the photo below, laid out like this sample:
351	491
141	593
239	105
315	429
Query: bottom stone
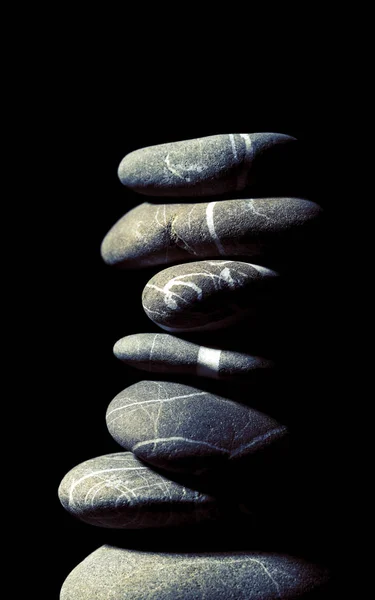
112	573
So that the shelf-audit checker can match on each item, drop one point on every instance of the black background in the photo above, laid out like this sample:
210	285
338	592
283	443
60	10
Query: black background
87	306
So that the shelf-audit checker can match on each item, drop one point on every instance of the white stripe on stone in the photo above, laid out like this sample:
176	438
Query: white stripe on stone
242	176
233	144
95	474
177	439
211	227
208	362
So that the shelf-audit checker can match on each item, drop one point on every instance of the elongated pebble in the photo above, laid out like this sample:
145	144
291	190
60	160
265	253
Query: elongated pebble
156	234
181	428
164	353
112	573
118	491
204	166
204	295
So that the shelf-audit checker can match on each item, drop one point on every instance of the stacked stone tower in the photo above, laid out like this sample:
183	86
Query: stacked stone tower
202	449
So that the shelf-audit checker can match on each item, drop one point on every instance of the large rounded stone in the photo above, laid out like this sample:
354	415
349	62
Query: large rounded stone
118	491
112	573
164	353
153	234
204	295
181	428
201	167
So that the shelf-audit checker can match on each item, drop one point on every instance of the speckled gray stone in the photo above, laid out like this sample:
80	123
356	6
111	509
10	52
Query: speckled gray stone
164	353
118	491
204	295
112	573
181	428
157	234
199	167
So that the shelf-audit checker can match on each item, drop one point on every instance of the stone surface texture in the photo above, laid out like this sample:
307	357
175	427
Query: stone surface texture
193	456
207	166
159	234
164	353
112	573
118	491
205	294
181	428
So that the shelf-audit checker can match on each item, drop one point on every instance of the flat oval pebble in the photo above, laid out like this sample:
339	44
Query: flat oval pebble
118	491
199	167
204	295
156	234
181	428
164	353
112	573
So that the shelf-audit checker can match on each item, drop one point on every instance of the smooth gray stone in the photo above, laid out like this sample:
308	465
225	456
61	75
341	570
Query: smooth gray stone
205	166
164	353
181	428
157	234
204	295
112	573
118	491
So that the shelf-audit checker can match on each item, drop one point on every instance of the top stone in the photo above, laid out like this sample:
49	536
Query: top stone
206	166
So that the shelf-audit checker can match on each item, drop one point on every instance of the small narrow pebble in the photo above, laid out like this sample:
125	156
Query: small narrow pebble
181	428
113	573
204	295
119	491
204	166
164	353
157	234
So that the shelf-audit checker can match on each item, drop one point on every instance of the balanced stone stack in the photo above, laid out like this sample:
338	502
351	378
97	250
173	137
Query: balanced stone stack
181	439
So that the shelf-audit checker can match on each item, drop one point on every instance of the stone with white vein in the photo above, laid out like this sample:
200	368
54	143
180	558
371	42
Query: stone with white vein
160	234
113	573
204	166
164	353
178	427
205	295
118	491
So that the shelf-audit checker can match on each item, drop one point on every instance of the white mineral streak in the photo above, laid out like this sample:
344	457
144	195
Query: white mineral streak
153	401
168	296
255	560
233	144
177	169
189	217
177	281
227	277
208	362
211	227
200	576
173	170
178	439
152	347
250	204
163	224
153	312
95	474
185	245
263	437
242	176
